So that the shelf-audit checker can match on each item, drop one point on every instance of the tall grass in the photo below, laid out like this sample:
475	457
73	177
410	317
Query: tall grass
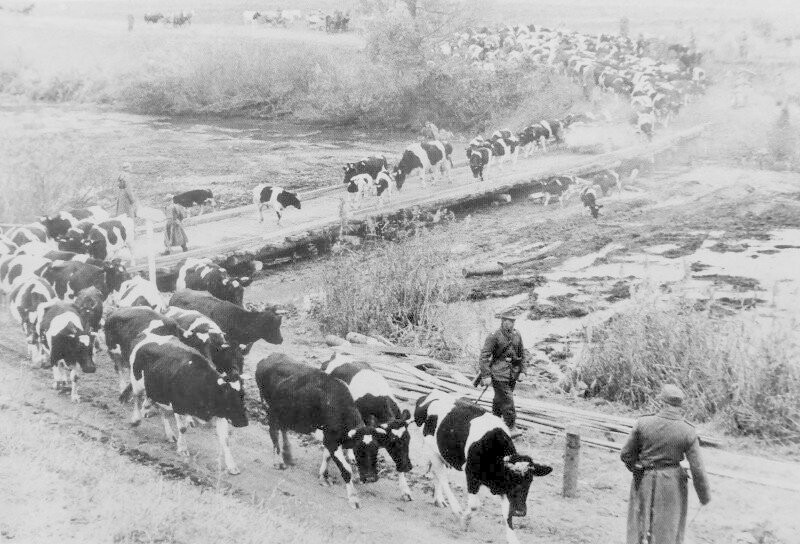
398	291
739	369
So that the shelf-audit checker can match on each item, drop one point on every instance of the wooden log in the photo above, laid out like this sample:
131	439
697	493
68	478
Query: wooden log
533	256
572	452
492	269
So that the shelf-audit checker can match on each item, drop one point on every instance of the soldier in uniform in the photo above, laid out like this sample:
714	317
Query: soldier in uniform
501	363
658	499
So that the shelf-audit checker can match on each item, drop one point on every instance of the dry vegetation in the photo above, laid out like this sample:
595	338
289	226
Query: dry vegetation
738	369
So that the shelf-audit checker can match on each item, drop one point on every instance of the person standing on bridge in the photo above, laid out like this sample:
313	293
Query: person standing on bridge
126	202
501	363
658	498
174	235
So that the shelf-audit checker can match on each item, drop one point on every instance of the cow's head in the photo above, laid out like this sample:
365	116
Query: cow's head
476	164
230	401
267	324
76	347
349	171
395	438
399	176
115	275
56	226
227	357
518	473
364	443
289	199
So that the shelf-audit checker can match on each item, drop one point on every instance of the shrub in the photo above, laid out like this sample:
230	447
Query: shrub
734	368
397	290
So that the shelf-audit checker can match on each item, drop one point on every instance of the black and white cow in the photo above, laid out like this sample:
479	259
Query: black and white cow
532	136
195	197
428	156
378	407
58	255
361	185
27	294
138	291
305	399
71	276
463	436
178	379
16	266
241	327
555	130
64	342
555	187
505	145
606	179
109	239
479	158
204	275
75	238
368	165
274	198
57	225
7	247
89	303
205	336
589	199
124	325
31	232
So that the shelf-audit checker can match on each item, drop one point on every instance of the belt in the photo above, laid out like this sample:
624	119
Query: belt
661	466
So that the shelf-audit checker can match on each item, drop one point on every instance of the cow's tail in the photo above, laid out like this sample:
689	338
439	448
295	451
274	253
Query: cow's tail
126	394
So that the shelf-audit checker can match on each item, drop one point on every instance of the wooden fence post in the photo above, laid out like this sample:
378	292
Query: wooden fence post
572	453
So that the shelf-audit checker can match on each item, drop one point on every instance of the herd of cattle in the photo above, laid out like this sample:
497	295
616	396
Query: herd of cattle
315	20
185	360
175	19
617	64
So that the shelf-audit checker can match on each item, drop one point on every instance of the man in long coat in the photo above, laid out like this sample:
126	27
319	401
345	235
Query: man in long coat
658	499
126	202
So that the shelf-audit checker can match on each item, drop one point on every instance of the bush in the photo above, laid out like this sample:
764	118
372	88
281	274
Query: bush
397	290
734	368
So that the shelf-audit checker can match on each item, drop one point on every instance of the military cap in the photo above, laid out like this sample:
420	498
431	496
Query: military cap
672	395
505	315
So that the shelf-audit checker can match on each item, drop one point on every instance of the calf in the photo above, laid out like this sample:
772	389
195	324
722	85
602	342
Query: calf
305	399
138	291
109	239
124	325
195	197
464	437
89	303
26	295
382	184
178	379
202	334
357	188
479	161
204	275
70	277
241	327
377	405
64	342
368	165
275	198
427	156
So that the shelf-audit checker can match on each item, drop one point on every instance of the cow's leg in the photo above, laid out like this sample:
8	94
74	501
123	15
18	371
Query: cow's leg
505	508
56	377
223	433
473	503
287	448
279	217
441	486
276	445
73	381
546	199
260	207
405	491
171	435
180	425
347	476
323	467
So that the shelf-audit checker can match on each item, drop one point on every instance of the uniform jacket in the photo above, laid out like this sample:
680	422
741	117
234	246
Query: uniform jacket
502	356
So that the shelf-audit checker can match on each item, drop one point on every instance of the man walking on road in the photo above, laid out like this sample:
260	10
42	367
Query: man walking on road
658	499
126	202
501	362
